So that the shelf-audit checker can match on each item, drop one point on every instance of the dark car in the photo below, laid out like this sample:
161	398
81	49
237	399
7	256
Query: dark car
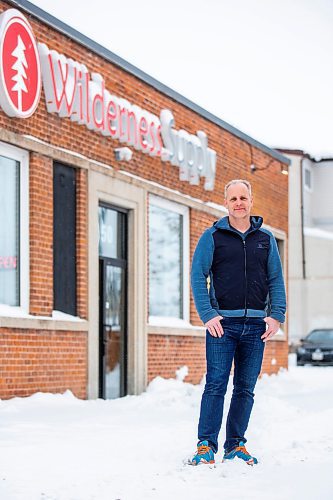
316	348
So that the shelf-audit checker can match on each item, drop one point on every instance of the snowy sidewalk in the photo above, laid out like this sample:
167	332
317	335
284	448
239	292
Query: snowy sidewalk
56	447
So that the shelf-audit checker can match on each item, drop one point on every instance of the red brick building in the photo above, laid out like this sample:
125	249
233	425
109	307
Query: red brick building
108	178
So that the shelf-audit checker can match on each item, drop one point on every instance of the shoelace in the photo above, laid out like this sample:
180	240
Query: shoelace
203	449
243	450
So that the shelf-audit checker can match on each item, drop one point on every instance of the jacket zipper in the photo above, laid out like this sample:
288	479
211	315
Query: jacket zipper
245	272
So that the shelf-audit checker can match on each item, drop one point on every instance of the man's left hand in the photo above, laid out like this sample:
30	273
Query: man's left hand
273	326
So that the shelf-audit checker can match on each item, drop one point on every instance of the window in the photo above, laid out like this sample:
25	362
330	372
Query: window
308	178
112	232
64	239
14	227
168	260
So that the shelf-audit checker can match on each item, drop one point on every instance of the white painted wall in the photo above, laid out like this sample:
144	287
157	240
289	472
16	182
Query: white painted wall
310	298
322	208
296	290
295	219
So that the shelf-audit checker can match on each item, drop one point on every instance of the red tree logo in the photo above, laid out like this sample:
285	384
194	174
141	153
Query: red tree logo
20	79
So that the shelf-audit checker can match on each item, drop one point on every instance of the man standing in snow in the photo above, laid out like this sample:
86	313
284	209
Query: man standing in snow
239	294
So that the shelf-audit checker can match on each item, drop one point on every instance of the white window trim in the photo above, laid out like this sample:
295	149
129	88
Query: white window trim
184	211
306	187
23	157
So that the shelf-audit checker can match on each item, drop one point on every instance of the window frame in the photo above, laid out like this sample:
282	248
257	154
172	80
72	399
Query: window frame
184	211
22	156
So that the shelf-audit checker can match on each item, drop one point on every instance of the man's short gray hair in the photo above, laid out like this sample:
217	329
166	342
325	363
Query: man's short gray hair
237	181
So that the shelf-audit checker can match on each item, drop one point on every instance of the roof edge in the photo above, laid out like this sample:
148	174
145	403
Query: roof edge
87	42
303	154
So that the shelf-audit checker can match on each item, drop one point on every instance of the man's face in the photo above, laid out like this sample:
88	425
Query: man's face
238	201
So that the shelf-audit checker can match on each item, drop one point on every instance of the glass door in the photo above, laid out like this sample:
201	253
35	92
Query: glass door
113	337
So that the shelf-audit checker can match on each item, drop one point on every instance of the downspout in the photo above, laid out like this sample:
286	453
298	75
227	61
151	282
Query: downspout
302	223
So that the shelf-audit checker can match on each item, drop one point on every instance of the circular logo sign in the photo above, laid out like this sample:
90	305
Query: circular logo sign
20	78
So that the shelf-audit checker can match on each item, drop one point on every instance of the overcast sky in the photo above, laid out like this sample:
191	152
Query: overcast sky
264	66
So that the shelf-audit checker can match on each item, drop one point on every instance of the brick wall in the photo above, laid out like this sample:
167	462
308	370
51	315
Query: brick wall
42	360
41	234
167	353
82	242
276	356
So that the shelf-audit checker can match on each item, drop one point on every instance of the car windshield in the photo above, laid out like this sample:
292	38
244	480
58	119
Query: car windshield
325	336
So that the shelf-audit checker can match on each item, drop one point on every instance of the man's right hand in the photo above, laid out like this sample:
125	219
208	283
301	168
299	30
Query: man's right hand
214	327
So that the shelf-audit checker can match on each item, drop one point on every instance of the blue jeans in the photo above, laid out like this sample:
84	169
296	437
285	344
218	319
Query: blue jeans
242	344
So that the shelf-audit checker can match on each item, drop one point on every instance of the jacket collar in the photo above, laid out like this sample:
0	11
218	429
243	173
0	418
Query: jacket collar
256	223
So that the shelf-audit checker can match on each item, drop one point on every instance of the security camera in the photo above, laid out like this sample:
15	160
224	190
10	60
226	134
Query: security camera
123	154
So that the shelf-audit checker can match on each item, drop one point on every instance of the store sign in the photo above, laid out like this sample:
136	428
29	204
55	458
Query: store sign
72	92
188	152
20	79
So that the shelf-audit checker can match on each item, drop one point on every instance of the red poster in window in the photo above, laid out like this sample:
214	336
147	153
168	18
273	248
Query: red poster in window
20	78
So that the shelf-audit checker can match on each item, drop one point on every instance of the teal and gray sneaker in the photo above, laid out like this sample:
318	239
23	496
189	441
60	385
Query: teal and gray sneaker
241	452
204	454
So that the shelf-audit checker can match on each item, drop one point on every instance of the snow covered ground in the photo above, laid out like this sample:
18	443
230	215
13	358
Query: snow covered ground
57	447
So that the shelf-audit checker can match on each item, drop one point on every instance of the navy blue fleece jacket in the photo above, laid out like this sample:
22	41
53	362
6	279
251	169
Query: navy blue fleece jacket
244	272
